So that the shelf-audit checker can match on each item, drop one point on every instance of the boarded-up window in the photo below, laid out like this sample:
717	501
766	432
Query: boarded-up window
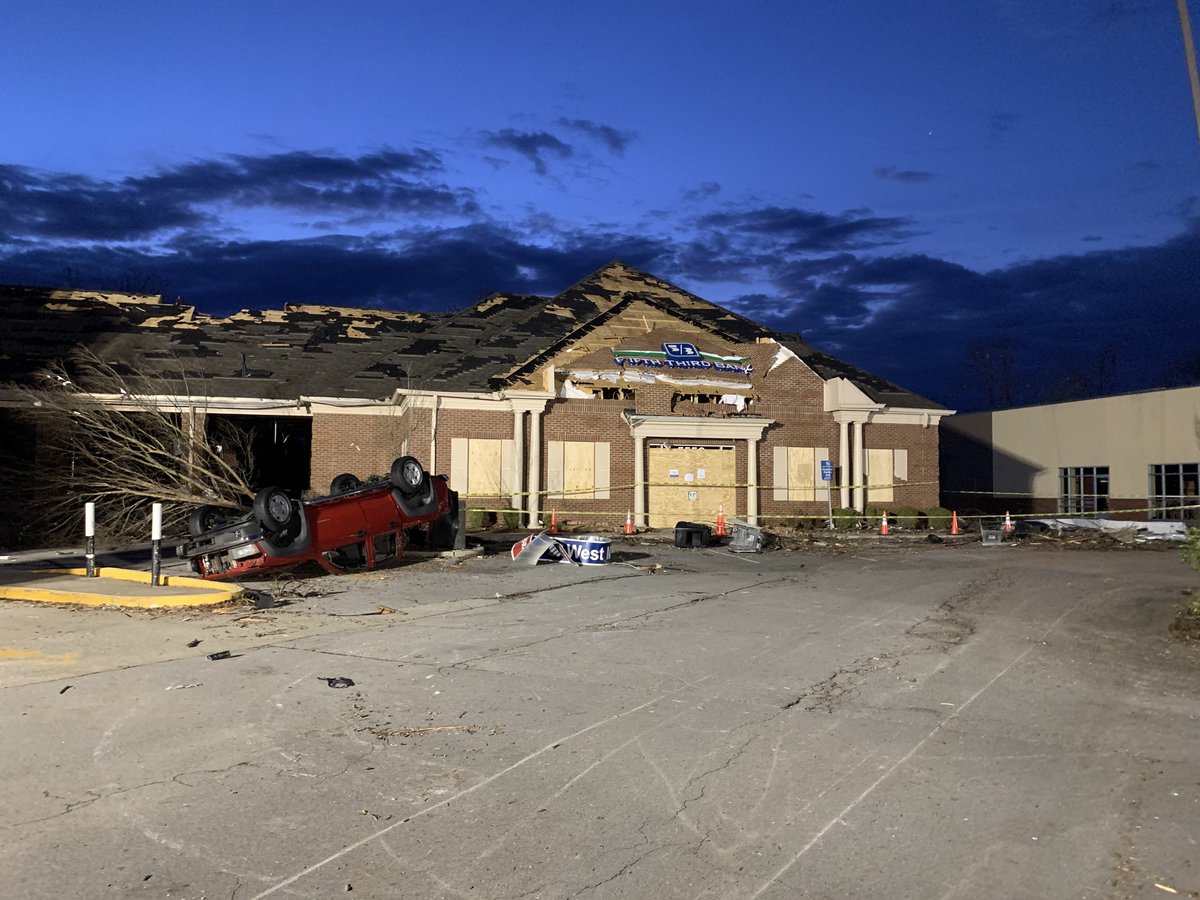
884	469
880	475
798	473
577	470
485	468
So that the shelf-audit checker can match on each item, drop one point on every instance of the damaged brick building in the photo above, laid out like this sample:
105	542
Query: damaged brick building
621	395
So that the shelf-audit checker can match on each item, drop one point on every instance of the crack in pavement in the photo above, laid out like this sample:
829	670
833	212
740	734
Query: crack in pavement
945	628
72	806
838	688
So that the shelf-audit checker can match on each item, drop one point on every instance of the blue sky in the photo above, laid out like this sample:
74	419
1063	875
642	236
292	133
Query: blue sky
949	194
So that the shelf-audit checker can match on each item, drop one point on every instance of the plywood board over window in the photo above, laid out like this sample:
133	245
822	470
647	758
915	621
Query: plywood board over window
797	473
884	469
484	467
577	470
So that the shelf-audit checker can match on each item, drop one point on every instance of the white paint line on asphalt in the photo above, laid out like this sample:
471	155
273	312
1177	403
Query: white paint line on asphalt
487	781
909	755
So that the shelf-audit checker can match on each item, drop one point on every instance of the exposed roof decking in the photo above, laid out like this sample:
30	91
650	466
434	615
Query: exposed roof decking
310	349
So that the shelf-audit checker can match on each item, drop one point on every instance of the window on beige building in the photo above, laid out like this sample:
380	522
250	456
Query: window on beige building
1174	491
577	470
1083	489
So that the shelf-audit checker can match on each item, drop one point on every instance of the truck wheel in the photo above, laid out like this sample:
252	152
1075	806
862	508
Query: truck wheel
273	509
204	519
344	482
408	475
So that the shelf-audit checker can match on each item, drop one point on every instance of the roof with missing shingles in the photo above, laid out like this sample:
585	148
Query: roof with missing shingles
319	350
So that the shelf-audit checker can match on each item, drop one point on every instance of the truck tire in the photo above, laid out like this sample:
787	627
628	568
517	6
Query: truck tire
274	510
408	476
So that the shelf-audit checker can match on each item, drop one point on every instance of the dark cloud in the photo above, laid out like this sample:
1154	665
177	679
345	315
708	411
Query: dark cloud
906	176
432	269
798	230
1091	238
706	190
35	205
838	279
387	180
913	318
533	145
38	205
612	138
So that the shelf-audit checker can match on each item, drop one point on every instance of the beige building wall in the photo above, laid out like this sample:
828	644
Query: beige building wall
1127	433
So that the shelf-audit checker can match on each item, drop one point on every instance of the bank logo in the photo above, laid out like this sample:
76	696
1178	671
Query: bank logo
681	352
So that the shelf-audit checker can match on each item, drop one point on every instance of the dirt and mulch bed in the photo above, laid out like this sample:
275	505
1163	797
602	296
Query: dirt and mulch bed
1186	624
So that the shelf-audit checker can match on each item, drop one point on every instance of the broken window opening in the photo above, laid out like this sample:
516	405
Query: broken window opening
1083	489
1174	493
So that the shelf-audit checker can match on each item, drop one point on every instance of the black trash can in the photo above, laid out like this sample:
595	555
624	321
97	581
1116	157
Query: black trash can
690	534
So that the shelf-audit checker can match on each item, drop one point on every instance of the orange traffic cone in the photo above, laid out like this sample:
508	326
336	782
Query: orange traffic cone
554	521
954	523
883	527
629	523
1008	523
721	532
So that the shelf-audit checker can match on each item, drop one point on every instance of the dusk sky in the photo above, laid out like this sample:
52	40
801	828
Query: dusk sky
906	184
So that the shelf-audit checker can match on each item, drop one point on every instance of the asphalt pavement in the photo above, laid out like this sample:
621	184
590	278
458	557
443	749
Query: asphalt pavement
898	721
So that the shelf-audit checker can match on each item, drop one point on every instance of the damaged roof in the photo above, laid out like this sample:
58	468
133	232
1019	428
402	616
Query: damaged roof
330	351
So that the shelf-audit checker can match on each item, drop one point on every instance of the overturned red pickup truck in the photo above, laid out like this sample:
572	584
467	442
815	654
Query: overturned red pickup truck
358	526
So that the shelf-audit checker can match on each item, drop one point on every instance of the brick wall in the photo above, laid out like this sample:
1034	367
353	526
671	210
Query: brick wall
921	489
481	424
794	397
595	420
363	445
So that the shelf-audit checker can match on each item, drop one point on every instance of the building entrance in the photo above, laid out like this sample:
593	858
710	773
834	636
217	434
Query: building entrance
689	481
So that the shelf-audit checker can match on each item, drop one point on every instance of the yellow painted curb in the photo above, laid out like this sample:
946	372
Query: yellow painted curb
198	591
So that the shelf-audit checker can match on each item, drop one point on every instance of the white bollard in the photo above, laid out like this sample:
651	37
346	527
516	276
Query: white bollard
155	542
89	534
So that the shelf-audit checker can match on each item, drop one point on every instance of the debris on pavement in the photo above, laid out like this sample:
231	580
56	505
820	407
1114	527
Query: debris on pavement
337	681
1119	529
261	599
384	733
377	611
220	654
589	550
67	688
182	687
194	642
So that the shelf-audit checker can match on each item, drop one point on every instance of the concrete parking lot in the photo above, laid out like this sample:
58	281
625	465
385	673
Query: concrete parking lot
901	722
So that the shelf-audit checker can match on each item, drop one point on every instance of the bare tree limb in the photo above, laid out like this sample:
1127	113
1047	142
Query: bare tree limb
126	439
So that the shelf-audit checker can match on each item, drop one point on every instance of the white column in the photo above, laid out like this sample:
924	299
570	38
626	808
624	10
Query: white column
860	468
752	478
535	467
639	485
518	459
844	463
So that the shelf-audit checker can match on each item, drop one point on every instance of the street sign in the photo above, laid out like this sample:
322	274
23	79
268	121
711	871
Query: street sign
827	470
